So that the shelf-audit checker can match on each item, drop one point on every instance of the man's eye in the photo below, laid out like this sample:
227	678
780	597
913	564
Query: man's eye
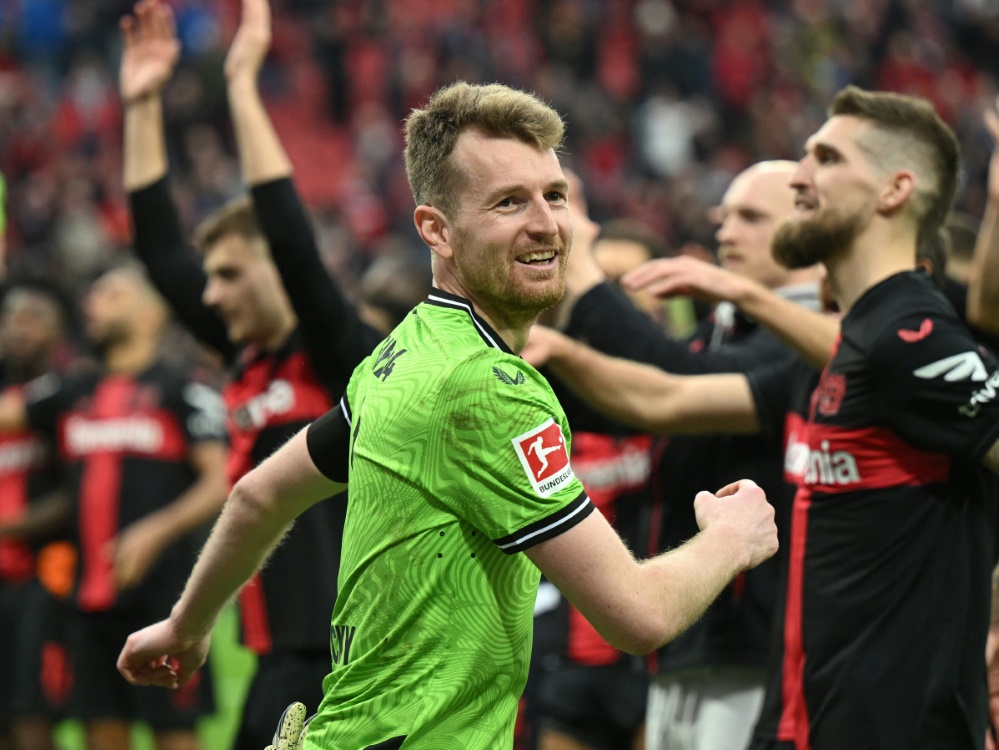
556	197
505	203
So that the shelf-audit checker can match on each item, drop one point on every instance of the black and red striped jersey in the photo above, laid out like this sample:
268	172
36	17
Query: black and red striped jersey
124	443
271	396
886	582
28	472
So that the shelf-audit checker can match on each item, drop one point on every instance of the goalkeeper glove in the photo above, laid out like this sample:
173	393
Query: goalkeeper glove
290	734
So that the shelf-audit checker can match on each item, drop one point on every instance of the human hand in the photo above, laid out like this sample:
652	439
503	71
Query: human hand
743	509
252	41
151	50
290	734
158	655
543	344
688	277
134	551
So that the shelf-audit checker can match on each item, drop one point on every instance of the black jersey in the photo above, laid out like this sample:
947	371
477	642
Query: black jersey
892	540
735	631
271	396
124	441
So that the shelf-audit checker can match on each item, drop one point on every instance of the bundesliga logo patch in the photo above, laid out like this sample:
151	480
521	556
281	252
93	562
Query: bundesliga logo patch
542	453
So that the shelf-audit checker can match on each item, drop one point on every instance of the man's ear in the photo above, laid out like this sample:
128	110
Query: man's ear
900	188
434	229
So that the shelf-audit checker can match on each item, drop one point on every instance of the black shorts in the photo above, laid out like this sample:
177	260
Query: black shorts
281	678
100	692
34	664
603	707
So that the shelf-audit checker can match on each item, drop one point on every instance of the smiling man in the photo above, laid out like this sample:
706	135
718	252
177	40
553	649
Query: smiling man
432	625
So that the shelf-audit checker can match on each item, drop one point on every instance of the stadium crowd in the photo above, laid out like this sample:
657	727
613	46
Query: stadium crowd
684	121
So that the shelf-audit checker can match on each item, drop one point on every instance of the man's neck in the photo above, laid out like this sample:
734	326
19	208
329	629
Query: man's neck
131	357
513	332
868	262
274	340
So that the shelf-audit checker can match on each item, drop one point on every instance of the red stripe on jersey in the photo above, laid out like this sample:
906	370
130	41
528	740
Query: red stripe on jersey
793	726
16	559
253	614
268	394
830	459
100	488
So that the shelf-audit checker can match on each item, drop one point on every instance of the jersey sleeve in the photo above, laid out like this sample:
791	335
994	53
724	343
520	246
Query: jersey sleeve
772	396
202	413
938	385
506	453
328	441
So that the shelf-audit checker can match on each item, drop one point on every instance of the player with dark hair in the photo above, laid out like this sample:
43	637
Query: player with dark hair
144	453
886	593
33	673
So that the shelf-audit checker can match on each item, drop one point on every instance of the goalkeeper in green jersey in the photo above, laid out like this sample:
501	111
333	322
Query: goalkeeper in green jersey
456	452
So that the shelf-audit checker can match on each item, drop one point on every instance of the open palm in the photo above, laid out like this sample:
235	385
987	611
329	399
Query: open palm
151	49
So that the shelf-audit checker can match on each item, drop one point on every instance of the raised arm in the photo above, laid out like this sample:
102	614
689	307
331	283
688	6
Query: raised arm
335	337
812	334
258	511
642	395
639	606
983	279
151	50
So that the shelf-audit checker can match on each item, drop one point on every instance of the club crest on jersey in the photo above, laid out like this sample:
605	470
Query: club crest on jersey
830	395
543	454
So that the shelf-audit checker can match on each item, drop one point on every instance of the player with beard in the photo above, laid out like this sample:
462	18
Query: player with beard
144	454
442	433
886	592
708	685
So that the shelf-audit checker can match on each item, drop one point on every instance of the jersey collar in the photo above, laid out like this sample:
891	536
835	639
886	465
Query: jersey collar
440	298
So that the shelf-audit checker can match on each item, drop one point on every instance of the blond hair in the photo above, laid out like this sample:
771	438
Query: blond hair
496	110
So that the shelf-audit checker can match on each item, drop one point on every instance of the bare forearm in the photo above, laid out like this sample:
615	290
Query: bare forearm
244	536
637	607
619	388
812	334
46	516
145	157
261	155
983	279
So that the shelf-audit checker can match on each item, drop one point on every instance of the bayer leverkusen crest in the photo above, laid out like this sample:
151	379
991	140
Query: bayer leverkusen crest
545	457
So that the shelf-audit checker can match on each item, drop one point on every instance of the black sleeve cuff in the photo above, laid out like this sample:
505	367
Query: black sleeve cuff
328	441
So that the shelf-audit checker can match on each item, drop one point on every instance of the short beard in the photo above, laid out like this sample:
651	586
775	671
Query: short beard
803	243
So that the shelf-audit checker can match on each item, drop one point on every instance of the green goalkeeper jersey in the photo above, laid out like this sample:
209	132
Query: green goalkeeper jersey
459	460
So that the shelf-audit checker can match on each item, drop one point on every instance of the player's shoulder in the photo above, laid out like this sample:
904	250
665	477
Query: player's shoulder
500	373
904	309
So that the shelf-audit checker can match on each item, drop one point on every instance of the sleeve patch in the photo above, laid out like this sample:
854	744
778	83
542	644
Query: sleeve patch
543	454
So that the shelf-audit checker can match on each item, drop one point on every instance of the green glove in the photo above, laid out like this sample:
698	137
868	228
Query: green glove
290	734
